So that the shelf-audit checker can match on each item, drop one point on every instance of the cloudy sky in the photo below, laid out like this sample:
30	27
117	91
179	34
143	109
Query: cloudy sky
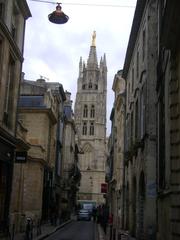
53	51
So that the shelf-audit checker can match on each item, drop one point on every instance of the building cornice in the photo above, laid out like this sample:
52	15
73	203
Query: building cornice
140	6
7	137
39	110
14	47
24	8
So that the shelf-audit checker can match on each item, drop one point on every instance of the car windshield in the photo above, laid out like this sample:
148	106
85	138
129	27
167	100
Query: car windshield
83	211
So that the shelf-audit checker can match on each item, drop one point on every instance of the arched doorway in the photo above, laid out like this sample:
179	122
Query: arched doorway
134	189
141	201
127	208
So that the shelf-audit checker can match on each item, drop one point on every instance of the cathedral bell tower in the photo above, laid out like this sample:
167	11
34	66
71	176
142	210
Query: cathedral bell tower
90	121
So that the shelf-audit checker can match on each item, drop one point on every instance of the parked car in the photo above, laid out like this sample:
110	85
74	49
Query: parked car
83	214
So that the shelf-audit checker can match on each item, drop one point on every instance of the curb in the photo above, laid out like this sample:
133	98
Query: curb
101	235
56	229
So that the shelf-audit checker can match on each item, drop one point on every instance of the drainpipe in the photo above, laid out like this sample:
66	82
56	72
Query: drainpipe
48	161
49	143
123	202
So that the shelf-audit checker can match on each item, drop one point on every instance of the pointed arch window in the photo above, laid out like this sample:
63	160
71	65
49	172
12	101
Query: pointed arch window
1	48
90	85
9	92
84	130
85	111
92	113
136	130
137	64
2	9
91	129
142	109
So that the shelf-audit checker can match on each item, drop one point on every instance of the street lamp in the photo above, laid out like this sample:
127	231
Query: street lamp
58	17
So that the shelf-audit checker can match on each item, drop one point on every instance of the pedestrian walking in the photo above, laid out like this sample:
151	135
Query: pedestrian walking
94	213
105	216
99	214
111	225
29	229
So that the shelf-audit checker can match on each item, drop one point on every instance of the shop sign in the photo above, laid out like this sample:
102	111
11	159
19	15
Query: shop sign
103	187
21	157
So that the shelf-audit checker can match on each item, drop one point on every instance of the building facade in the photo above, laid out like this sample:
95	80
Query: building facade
139	73
70	176
38	111
168	119
151	148
13	15
17	214
115	161
90	121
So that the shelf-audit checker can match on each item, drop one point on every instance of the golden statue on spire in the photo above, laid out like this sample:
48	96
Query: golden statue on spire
94	39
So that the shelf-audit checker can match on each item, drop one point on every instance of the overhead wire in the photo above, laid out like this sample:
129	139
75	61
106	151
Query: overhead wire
86	4
100	5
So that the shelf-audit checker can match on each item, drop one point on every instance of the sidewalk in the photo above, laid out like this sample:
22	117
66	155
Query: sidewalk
46	230
103	236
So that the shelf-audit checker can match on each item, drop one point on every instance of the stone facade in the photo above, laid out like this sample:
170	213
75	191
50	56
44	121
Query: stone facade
168	117
17	217
151	157
38	112
70	172
139	73
90	121
13	15
115	161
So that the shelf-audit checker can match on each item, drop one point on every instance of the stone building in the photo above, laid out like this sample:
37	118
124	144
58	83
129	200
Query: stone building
168	119
90	121
17	216
151	158
70	173
13	15
116	154
139	73
39	111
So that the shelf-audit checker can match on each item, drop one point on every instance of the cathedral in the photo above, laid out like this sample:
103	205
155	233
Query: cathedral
90	121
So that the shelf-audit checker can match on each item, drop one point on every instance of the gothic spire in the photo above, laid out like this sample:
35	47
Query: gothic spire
80	66
92	60
104	59
93	39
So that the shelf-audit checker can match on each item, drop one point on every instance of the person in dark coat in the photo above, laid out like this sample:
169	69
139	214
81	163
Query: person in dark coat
94	214
105	217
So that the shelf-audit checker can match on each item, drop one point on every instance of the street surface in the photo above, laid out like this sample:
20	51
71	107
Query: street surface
76	230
